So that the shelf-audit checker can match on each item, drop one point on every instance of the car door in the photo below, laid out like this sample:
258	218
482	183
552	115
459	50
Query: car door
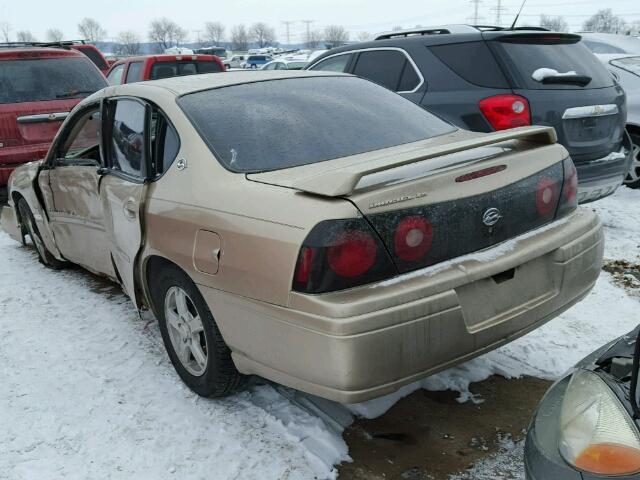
127	149
73	199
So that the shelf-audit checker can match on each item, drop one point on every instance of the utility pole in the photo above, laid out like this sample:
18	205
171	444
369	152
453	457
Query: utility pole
197	32
308	23
476	4
287	24
499	9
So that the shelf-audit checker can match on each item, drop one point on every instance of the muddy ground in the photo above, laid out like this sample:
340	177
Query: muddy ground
429	435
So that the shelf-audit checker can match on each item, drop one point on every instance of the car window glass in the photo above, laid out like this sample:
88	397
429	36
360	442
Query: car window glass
381	66
83	140
334	64
115	75
280	66
601	47
134	74
324	117
409	80
208	66
270	66
168	145
127	137
39	79
95	56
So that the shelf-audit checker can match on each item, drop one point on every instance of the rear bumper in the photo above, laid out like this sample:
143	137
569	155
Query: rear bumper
602	177
362	343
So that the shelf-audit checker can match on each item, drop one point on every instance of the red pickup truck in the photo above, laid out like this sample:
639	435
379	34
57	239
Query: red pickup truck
154	67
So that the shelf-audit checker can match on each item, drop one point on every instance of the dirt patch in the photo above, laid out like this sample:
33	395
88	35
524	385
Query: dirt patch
625	274
429	435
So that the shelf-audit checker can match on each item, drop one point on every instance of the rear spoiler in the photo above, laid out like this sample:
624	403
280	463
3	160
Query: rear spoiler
342	180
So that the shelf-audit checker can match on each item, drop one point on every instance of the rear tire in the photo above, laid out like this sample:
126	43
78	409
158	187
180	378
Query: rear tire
632	179
30	227
191	337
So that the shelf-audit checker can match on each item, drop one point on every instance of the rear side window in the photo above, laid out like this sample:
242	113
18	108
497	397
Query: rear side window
208	66
177	69
386	67
115	75
95	56
473	61
525	54
325	118
600	47
630	64
134	74
166	143
36	80
338	63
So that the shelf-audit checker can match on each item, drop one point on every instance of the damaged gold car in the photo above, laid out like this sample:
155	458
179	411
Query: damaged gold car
312	228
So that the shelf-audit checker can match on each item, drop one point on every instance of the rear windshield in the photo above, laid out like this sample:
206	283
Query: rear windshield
270	125
525	55
178	69
36	80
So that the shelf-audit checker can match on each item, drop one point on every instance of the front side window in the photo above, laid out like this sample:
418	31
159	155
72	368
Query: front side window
338	63
115	75
134	74
128	143
82	144
324	117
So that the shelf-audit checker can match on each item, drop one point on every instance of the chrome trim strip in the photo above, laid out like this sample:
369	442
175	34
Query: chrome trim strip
373	49
43	117
590	111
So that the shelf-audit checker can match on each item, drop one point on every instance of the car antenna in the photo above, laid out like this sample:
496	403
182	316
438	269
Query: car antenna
515	20
633	398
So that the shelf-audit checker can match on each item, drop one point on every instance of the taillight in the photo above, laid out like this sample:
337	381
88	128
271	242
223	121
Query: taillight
506	111
413	238
569	196
339	254
547	196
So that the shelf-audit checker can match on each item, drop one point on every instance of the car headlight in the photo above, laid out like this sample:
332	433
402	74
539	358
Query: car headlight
597	434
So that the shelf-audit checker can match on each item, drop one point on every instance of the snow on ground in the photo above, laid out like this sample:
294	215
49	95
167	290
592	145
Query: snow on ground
88	391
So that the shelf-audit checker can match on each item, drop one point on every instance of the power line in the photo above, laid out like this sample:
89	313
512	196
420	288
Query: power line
499	8
476	4
308	23
287	24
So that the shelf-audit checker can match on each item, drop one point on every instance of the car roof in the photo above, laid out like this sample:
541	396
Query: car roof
179	86
19	52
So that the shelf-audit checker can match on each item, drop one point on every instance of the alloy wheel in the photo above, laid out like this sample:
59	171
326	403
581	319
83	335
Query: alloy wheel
634	171
186	331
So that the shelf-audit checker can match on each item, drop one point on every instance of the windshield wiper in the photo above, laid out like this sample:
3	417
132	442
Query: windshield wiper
74	93
582	80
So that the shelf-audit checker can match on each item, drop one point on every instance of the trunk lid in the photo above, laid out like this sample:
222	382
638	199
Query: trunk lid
452	195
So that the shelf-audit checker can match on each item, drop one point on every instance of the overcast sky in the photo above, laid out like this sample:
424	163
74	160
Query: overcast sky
356	15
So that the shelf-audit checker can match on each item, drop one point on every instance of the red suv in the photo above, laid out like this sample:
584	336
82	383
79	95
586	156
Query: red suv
38	88
155	67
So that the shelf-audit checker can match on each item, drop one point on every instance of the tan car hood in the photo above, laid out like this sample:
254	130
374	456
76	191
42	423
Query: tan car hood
335	178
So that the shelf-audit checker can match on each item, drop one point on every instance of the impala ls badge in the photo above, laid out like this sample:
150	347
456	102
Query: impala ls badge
491	216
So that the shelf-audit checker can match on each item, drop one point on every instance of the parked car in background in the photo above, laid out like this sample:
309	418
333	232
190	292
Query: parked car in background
154	67
491	78
219	52
413	245
38	88
626	70
285	64
93	53
236	61
609	43
256	61
587	426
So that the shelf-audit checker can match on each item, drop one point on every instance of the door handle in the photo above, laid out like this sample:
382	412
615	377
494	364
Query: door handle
129	209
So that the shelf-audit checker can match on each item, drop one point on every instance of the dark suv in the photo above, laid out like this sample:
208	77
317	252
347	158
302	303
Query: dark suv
489	78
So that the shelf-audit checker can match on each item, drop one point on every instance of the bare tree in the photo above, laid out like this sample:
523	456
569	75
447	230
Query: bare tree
166	33
262	34
313	38
634	28
604	21
557	24
364	36
5	31
335	35
25	36
128	43
214	32
54	35
240	38
91	30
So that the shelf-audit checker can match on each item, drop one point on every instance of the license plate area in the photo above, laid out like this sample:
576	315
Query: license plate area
494	300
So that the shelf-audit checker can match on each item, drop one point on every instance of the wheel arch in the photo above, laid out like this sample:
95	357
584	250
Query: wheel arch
150	265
